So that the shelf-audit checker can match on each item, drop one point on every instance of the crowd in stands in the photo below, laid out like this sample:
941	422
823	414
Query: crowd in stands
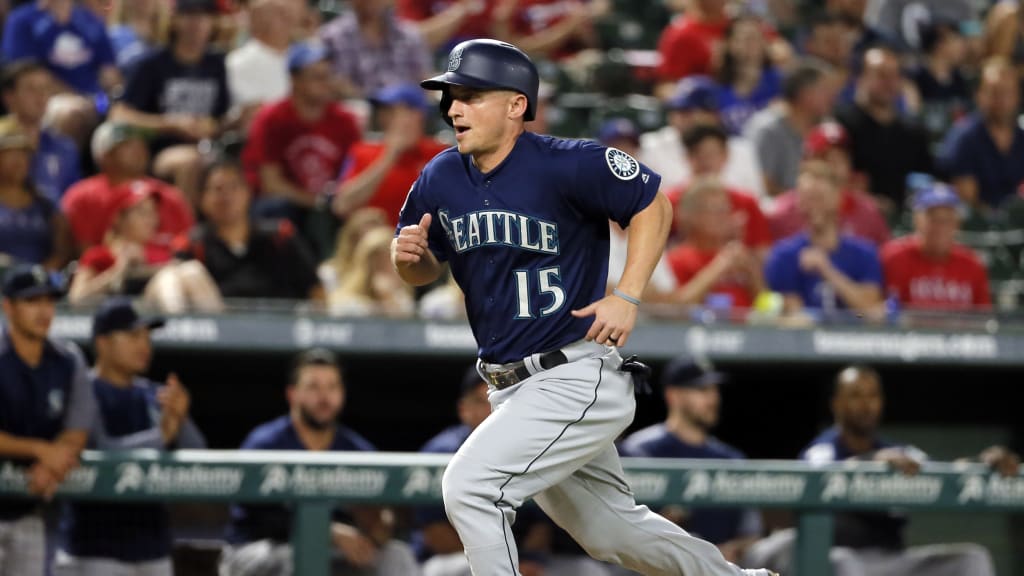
188	151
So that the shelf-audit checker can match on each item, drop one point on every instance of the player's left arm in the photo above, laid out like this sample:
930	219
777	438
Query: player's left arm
614	315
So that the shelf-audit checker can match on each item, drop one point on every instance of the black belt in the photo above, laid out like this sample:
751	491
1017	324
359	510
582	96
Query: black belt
517	372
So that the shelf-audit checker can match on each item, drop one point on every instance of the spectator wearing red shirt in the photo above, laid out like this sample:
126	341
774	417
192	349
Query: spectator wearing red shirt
298	145
928	269
688	44
540	27
707	151
713	266
122	157
379	174
859	214
129	261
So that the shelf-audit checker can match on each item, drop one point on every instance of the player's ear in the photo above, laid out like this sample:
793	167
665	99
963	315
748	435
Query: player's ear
517	106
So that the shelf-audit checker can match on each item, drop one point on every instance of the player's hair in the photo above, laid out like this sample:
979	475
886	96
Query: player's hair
14	71
700	132
932	34
862	370
312	357
804	75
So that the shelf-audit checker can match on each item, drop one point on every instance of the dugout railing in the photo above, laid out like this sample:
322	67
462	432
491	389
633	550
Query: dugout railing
313	483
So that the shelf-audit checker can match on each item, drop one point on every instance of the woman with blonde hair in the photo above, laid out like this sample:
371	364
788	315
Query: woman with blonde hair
371	286
356	225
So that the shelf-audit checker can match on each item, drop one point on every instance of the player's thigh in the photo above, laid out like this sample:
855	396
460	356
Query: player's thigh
25	549
944	560
548	426
261	558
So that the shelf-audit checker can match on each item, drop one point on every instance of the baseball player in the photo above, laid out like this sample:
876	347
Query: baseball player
522	220
46	411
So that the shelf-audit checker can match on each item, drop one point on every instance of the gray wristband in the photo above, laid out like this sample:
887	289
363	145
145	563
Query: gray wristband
626	297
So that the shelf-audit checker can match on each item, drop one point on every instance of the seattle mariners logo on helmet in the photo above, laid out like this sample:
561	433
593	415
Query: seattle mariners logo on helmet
455	59
622	165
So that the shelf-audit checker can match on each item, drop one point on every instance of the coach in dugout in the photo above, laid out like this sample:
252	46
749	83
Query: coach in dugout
874	543
46	410
105	538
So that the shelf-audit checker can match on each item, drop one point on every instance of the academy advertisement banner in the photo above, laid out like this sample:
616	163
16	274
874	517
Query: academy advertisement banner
405	479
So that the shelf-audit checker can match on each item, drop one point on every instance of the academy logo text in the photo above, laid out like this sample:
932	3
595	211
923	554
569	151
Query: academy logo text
881	488
994	490
330	482
81	480
195	479
753	487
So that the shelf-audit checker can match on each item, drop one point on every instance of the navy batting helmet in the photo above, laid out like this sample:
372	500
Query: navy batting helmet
488	64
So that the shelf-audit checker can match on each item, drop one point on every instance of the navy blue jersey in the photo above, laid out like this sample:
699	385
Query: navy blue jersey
41	401
712	524
274	521
528	241
859	529
129	418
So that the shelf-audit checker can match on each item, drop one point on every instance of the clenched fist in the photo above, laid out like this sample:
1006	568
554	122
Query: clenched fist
411	244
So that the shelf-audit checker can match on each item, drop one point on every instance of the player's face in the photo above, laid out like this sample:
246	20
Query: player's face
318	396
858	404
700	406
708	157
484	119
130	157
128	351
838	161
313	83
937	227
711	220
474	407
998	95
193	28
883	80
30	317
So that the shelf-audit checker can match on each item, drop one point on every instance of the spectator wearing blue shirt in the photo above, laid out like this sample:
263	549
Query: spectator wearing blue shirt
32	228
361	536
72	42
46	411
983	155
694	403
134	412
823	269
135	29
874	542
25	85
747	78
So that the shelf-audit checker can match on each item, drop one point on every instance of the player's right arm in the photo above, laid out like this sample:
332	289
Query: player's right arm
411	254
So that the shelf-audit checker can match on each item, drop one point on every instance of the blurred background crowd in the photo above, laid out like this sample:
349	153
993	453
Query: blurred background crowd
826	158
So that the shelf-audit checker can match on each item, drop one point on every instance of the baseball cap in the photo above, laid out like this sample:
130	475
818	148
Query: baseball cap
695	92
409	95
109	134
118	314
824	137
205	6
685	372
31	280
618	129
126	197
304	54
938	194
12	137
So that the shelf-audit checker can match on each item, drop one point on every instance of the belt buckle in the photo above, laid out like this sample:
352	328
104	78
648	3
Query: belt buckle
503	379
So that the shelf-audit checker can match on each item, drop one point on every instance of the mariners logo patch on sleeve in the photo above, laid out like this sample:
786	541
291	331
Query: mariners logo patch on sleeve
624	166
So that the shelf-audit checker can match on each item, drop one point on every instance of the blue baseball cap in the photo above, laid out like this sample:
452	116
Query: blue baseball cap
25	281
937	194
304	54
618	129
118	314
695	92
409	95
685	372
